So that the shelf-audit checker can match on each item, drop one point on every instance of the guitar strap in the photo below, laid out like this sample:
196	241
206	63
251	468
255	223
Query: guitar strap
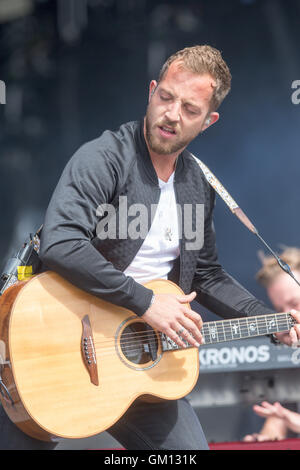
223	193
236	210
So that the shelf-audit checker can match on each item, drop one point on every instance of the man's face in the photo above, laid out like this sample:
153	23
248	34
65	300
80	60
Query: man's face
178	110
284	293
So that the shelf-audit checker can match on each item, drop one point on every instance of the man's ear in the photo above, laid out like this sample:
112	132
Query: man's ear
152	87
210	120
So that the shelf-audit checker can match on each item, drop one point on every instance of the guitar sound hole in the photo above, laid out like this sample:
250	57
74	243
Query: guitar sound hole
138	344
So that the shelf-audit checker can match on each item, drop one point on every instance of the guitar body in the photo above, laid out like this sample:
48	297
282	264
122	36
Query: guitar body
72	364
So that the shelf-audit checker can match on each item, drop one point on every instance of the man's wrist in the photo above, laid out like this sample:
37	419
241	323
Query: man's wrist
151	302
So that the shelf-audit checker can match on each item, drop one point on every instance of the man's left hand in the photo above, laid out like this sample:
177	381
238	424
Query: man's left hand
291	337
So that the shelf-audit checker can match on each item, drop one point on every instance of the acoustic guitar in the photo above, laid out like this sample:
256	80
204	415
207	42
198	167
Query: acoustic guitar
71	364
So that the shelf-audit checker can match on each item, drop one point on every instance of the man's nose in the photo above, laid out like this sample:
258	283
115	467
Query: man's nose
173	112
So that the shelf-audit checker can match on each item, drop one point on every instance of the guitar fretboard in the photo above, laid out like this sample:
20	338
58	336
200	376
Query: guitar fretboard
238	328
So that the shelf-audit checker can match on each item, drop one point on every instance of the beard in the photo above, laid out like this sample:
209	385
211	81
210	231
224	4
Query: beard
161	146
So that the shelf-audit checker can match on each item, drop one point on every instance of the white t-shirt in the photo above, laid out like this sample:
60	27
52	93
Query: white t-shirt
161	246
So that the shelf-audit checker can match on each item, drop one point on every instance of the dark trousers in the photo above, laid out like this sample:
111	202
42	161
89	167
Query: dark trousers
167	425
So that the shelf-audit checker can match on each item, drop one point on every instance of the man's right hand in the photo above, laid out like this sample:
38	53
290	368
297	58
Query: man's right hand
171	315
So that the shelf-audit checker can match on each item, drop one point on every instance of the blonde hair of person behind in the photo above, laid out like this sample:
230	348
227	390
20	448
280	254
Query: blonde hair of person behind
203	59
270	268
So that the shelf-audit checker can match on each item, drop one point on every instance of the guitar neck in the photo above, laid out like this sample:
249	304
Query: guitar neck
240	328
248	327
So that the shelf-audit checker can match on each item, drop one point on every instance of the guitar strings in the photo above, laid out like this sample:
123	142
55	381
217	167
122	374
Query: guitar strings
210	325
225	325
152	338
153	334
137	349
213	325
153	341
227	332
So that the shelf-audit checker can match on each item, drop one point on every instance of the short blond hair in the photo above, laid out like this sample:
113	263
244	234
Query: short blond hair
270	268
203	59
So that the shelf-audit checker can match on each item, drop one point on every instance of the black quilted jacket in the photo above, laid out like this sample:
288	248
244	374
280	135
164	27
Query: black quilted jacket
118	164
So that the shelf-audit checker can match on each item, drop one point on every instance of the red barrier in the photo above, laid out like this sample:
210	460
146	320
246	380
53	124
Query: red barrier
285	444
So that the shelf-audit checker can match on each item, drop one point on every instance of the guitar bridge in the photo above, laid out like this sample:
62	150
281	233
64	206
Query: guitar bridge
88	350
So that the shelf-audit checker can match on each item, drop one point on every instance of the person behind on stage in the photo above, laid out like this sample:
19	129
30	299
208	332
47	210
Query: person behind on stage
284	293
